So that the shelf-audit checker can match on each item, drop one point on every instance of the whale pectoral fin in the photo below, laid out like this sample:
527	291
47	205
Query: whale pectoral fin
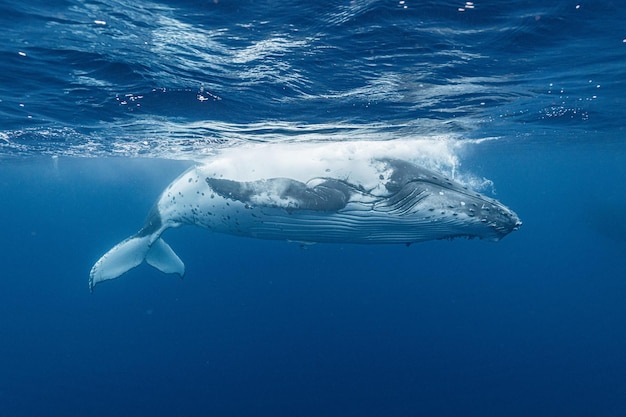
163	258
130	253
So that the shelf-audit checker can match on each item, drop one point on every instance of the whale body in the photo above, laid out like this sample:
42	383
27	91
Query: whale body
355	200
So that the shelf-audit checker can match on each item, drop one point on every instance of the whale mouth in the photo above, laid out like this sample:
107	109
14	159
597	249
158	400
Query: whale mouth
512	228
513	225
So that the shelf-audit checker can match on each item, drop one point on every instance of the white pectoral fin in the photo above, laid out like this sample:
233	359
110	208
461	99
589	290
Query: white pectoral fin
130	253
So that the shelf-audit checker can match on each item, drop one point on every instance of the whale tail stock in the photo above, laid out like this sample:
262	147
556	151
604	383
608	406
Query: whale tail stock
130	253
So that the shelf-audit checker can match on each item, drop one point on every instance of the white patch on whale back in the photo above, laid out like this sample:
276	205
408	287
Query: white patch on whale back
304	161
272	193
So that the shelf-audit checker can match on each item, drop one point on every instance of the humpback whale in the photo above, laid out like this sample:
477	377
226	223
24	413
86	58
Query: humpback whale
361	198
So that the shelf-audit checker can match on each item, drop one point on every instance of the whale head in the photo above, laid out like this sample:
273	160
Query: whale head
444	206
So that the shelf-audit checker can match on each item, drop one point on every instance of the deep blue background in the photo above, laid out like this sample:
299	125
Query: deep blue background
532	325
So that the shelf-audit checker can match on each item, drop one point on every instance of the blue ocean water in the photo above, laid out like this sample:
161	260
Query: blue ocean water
103	103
